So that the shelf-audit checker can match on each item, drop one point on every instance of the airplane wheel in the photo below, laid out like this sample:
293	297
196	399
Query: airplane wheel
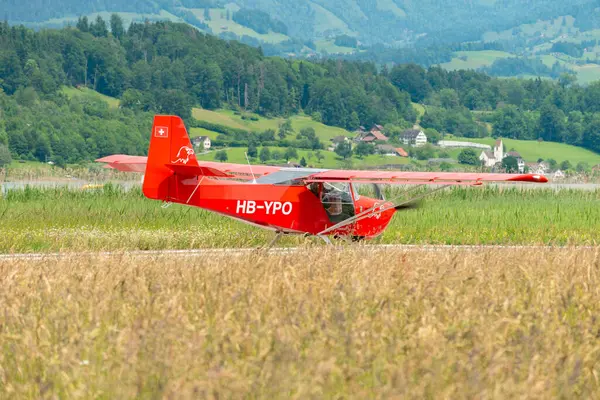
358	238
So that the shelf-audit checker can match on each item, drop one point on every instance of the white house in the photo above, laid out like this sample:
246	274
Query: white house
558	174
201	142
520	161
413	137
538	168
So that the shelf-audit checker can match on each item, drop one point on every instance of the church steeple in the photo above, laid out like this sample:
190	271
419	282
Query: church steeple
499	150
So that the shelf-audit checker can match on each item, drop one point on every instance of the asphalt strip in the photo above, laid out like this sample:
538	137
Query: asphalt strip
278	250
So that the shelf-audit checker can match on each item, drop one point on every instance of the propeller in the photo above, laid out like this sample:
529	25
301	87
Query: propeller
410	205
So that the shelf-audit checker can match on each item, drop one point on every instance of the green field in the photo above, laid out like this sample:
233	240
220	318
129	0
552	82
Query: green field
127	17
325	20
330	47
89	93
532	150
230	119
549	28
587	73
474	59
195	132
550	31
52	220
420	109
390	6
219	23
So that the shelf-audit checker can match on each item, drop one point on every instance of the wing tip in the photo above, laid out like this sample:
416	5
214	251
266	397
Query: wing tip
537	178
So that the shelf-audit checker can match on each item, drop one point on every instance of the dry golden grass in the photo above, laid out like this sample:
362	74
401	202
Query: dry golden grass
322	323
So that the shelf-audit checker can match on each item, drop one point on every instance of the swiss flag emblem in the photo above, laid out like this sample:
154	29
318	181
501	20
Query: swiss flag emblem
161	131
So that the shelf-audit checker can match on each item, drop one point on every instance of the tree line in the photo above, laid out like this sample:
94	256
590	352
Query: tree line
168	68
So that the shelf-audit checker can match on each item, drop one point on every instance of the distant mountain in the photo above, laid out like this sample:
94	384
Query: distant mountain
391	22
476	34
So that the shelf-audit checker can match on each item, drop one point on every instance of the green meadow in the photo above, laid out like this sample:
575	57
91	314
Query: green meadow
532	150
90	94
474	59
40	220
231	119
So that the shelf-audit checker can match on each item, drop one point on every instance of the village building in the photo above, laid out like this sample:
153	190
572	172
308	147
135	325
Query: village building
201	143
491	158
389	150
558	174
375	134
336	141
413	137
520	161
537	168
339	139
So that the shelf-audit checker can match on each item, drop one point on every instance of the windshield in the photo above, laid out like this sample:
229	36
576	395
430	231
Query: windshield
337	201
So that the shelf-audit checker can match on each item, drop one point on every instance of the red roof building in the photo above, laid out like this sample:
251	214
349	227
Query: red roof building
401	152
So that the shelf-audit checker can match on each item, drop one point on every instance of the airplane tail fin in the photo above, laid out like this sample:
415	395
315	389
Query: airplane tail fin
172	161
170	153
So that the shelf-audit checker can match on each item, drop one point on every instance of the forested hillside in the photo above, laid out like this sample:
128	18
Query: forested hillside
536	38
169	68
379	21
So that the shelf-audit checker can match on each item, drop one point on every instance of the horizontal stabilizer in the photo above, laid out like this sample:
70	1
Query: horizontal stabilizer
125	163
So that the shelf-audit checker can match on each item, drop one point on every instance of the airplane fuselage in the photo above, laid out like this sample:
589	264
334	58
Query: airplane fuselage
286	208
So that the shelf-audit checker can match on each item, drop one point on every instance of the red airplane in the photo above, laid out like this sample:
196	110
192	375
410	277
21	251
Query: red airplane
318	202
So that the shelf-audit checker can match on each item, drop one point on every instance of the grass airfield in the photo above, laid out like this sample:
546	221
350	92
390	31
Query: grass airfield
110	218
320	322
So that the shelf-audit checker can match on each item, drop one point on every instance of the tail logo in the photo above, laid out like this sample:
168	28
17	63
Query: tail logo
161	131
184	154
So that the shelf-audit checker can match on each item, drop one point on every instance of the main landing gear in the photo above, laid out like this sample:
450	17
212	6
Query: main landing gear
325	238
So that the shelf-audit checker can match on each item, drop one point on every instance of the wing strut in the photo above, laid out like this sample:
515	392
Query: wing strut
394	204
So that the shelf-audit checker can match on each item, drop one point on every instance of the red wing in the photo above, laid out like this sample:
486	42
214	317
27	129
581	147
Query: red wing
423	178
127	163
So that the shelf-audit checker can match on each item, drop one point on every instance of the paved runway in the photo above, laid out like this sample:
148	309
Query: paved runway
195	253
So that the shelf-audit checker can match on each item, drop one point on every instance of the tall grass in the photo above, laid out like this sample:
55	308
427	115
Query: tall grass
38	171
319	324
110	218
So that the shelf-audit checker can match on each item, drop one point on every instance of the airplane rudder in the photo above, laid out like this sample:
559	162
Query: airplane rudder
182	149
157	173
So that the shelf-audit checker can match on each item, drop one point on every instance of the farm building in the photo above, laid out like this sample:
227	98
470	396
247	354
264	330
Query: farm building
413	137
336	141
389	150
375	134
201	143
